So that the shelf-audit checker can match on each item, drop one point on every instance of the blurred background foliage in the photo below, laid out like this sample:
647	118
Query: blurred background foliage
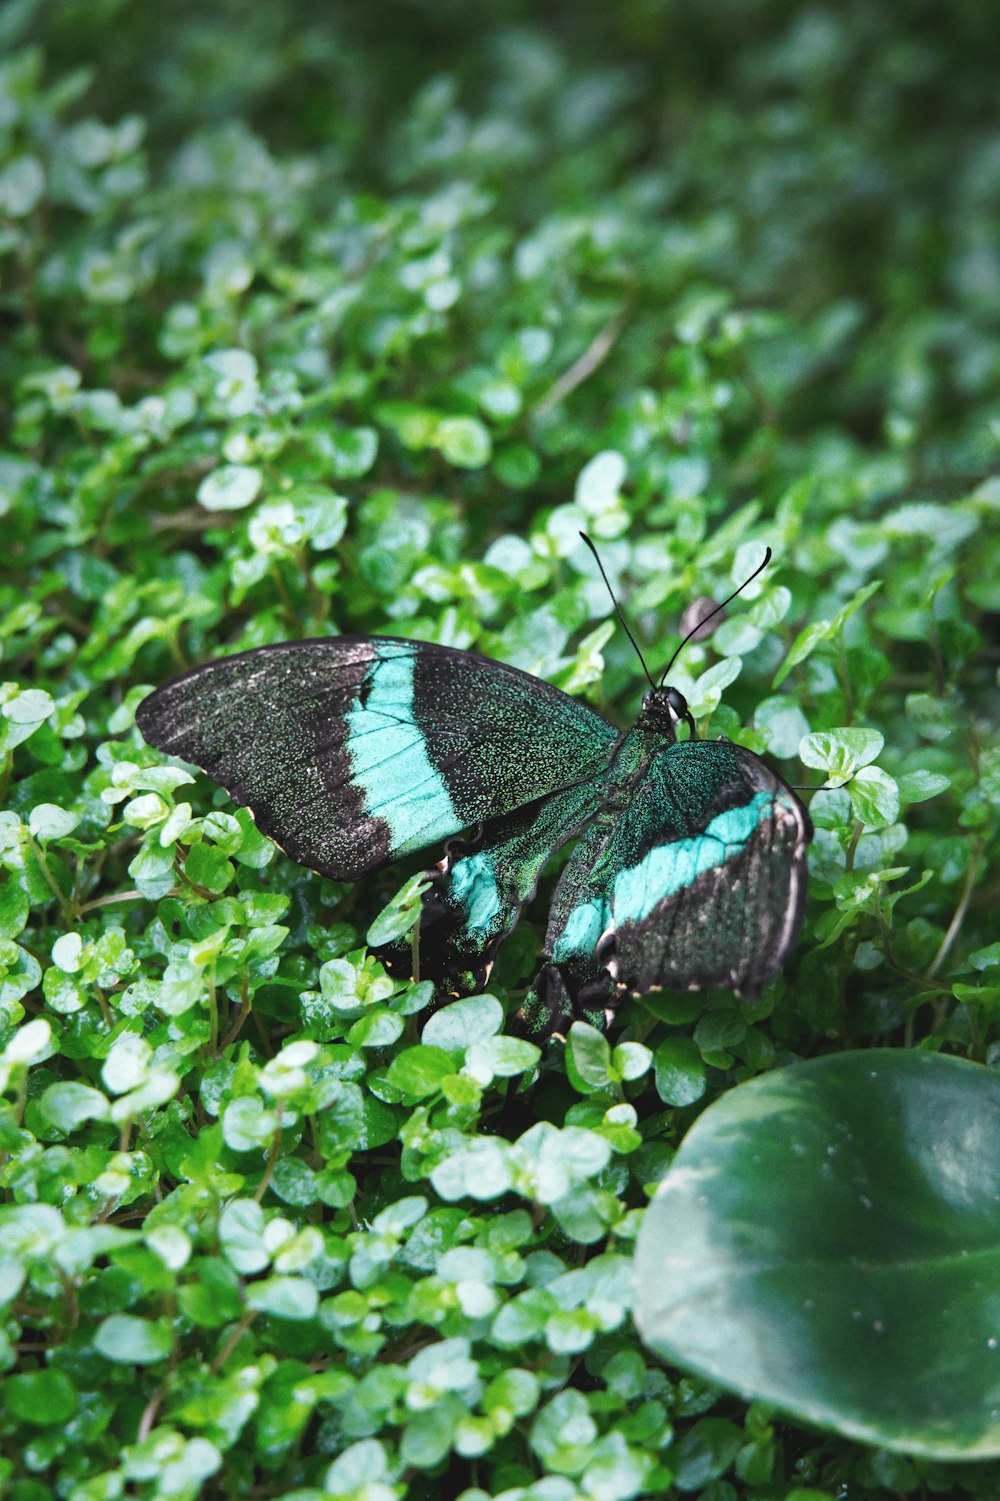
320	317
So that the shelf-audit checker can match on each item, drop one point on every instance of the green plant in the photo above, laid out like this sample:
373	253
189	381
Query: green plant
304	332
826	1240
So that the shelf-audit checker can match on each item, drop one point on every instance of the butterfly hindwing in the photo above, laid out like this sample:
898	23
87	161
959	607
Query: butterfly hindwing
710	872
698	882
478	889
573	979
350	751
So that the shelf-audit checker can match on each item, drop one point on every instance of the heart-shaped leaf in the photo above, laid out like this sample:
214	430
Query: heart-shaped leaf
828	1240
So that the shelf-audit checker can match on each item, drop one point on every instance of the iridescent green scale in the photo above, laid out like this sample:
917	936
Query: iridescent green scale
689	869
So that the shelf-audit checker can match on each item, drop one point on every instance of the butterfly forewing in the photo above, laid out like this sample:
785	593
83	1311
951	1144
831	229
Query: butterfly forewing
350	751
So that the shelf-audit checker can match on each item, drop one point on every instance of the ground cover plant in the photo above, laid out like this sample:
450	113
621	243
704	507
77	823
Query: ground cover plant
319	320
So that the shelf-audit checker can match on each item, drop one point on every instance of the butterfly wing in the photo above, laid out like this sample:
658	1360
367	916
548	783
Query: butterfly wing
352	750
574	980
480	886
699	882
709	877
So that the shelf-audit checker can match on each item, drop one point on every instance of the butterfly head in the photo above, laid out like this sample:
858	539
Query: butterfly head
665	708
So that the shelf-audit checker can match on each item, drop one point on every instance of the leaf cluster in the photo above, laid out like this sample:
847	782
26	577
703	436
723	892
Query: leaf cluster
350	319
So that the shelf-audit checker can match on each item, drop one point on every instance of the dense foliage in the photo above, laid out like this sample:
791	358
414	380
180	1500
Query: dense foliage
330	317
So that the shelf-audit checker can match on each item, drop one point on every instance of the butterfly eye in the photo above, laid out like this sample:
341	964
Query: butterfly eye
678	703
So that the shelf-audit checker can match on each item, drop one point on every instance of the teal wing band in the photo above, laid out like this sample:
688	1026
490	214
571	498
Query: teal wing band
389	760
669	869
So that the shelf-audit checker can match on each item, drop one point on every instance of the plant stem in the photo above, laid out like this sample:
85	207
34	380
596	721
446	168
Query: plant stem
592	357
272	1158
112	900
230	1345
65	911
958	917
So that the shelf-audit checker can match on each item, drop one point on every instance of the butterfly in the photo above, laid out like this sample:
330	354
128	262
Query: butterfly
352	751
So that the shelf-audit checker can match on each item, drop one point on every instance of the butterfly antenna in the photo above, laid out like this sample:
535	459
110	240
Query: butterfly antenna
618	609
705	618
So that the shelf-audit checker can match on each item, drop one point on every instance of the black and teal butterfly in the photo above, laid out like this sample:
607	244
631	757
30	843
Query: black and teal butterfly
354	750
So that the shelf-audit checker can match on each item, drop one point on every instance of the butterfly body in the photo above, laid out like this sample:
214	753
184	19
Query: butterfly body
353	751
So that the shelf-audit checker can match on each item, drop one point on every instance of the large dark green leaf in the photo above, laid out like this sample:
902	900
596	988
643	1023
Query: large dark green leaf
828	1240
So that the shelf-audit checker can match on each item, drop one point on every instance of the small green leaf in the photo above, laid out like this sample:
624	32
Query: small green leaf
588	1058
30	1043
840	752
418	1071
501	1057
619	1470
457	1026
481	1169
128	1340
67	953
69	1104
399	916
284	1298
159	1086
206	865
464	442
563	1432
378	1028
358	1466
43	1398
48	821
31	706
19	973
679	1071
705	1452
353	452
514	1390
822	630
214	1298
230	488
784	724
977	995
247	1124
918	786
241	1234
706	694
630	1060
22	184
127	1063
803	646
599	482
15	904
152	869
986	958
936	719
584	1215
427	1437
23	715
874	797
587	666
